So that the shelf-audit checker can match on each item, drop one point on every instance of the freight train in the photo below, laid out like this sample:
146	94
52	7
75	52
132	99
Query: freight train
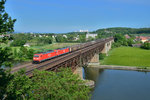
40	57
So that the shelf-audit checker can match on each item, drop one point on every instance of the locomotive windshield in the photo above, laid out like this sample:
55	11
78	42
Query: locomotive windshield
36	55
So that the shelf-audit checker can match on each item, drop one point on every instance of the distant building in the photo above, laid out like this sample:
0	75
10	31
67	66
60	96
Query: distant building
127	36
46	35
90	35
142	38
136	45
26	45
83	31
1	36
53	36
4	35
34	35
65	36
76	38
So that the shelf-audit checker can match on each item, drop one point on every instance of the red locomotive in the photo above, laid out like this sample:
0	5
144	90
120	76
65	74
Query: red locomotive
49	54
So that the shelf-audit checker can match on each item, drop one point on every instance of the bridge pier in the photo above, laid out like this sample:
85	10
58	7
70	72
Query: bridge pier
89	83
107	47
79	72
95	58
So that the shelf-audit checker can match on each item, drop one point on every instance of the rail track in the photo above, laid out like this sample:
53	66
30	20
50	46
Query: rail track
52	63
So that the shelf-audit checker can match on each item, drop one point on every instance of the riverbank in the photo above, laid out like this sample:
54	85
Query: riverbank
145	69
127	56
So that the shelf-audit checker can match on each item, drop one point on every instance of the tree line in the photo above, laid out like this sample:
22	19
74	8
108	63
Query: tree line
123	30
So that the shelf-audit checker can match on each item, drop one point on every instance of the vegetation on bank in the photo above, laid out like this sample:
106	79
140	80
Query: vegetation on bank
44	85
128	56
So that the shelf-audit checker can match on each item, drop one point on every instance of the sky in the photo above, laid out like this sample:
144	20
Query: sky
58	16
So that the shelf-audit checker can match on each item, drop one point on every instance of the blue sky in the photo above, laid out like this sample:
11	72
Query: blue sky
72	15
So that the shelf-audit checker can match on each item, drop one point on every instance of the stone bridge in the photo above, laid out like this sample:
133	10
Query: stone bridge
87	54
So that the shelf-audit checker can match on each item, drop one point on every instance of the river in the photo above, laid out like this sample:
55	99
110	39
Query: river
118	84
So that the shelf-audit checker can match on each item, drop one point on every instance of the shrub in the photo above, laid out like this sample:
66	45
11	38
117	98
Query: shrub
18	43
146	45
102	56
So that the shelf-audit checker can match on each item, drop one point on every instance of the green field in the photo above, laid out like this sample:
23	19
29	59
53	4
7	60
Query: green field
49	46
52	46
128	56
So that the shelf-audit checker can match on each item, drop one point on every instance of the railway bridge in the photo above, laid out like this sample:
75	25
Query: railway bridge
87	53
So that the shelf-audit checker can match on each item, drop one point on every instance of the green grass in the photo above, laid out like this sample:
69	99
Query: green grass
128	56
48	46
52	46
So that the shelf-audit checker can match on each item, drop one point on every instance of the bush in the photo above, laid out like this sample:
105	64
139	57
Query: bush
102	56
18	43
30	53
116	44
146	45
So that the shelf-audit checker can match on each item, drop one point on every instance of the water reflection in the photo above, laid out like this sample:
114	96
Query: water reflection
119	84
92	73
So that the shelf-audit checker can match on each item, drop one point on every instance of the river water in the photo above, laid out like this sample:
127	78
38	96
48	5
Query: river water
119	84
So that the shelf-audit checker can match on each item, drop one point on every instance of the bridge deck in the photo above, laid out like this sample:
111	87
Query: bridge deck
50	64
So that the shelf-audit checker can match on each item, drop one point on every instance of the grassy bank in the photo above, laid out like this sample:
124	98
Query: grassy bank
128	56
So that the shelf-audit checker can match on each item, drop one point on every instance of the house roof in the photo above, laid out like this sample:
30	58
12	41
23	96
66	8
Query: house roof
127	36
142	37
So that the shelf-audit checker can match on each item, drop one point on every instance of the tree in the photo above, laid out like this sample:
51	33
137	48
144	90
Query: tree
60	38
6	22
15	53
90	38
130	42
6	56
5	78
19	87
71	37
82	38
146	45
18	42
6	25
47	40
30	53
63	85
120	40
22	53
44	85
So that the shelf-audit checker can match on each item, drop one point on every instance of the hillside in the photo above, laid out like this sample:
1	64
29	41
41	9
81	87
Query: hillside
123	30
